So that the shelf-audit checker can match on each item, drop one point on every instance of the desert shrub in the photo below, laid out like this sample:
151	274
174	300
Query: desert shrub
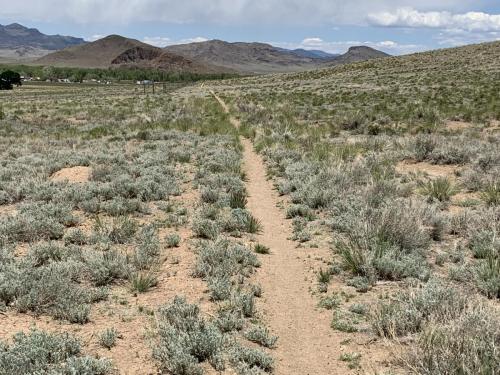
411	311
452	151
205	228
440	189
141	282
330	302
229	318
242	220
107	338
484	241
222	257
401	225
251	361
209	195
37	221
120	206
238	199
38	352
352	358
185	340
104	267
299	210
50	289
245	302
344	322
261	249
147	251
44	253
487	276
173	240
261	336
371	258
324	276
220	288
75	236
422	147
358	308
491	194
467	344
121	230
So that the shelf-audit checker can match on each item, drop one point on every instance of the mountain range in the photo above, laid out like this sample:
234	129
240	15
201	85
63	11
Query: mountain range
19	43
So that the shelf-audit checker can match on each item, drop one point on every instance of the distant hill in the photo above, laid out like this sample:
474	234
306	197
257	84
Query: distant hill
20	42
318	54
311	53
265	58
98	54
118	51
357	54
245	57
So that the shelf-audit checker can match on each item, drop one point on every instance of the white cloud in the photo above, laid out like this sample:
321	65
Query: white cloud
94	37
157	41
409	17
197	39
312	42
160	41
233	12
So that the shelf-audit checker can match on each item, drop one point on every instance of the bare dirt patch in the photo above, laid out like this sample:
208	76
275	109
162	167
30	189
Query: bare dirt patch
7	210
458	125
432	170
75	175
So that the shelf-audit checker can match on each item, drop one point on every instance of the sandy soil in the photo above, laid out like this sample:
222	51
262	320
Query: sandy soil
432	170
307	344
131	315
75	175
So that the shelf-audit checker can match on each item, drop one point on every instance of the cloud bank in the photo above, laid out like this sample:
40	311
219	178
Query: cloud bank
409	17
230	12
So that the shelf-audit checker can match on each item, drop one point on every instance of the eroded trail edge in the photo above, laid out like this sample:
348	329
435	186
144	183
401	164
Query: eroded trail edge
307	344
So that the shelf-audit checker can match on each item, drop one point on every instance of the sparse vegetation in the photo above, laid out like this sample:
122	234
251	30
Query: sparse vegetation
387	172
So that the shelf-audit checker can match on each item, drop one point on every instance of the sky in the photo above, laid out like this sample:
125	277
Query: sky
394	26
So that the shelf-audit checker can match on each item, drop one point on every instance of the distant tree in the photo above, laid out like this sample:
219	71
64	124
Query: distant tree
8	79
49	73
79	75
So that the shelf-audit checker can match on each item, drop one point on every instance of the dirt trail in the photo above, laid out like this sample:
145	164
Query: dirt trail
307	345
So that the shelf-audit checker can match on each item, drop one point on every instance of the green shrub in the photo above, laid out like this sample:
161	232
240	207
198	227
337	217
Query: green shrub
299	210
238	199
147	252
38	352
412	310
261	249
141	282
107	338
487	276
261	336
173	240
185	340
251	361
344	322
467	344
330	302
440	189
491	194
205	228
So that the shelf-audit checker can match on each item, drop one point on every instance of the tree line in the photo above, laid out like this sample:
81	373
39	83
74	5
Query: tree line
111	74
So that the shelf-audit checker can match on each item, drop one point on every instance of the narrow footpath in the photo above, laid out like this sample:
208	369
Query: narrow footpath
307	345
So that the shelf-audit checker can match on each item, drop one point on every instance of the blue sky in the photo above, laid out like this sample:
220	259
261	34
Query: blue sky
395	26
